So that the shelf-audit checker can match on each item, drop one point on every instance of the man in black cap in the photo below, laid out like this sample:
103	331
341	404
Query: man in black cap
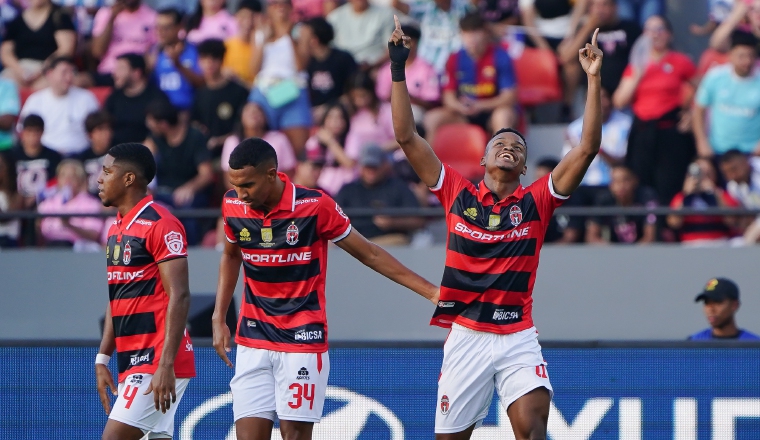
721	297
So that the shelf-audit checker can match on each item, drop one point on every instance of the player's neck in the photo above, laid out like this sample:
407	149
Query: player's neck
503	186
730	330
275	196
131	199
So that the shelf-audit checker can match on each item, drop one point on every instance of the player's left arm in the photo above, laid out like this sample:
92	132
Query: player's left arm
379	260
568	174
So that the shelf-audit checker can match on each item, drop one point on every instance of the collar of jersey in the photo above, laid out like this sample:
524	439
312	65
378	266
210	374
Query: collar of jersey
288	200
484	192
134	212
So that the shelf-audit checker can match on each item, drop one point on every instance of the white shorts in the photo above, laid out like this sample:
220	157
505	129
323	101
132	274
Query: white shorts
134	408
291	385
476	362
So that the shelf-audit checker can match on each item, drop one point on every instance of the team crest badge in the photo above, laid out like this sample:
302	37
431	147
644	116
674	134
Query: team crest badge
515	215
291	235
245	235
174	243
445	404
127	253
266	236
116	252
494	220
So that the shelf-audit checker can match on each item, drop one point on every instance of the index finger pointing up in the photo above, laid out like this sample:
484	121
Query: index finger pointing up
593	39
398	23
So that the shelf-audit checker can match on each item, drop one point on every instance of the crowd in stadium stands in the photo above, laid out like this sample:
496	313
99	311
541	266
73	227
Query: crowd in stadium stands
190	80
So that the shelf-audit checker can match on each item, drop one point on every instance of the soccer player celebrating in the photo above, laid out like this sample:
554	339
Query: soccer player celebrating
496	230
279	232
149	299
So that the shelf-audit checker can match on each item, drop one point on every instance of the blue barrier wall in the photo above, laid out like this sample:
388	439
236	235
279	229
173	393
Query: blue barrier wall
390	393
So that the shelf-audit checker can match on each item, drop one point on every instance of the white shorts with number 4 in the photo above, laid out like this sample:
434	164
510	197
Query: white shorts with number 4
135	408
474	363
290	385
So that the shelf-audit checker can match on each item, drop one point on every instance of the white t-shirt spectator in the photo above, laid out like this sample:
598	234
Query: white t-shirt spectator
614	142
556	27
64	118
363	35
439	29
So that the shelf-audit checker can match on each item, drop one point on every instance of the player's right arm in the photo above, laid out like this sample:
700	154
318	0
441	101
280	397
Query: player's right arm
229	271
103	376
419	153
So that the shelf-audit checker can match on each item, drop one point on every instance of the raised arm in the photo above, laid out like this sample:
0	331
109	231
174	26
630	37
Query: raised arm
571	169
419	153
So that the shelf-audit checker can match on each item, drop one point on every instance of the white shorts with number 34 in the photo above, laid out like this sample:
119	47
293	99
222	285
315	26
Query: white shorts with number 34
474	363
135	408
290	385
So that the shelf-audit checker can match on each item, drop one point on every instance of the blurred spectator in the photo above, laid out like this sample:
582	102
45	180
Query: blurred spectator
175	66
639	11
219	102
361	28
742	176
71	197
211	20
624	191
661	144
371	122
616	38
721	297
127	103
239	55
562	229
700	191
377	188
499	13
439	27
82	13
479	84
253	124
63	108
10	230
281	88
98	126
421	79
719	10
43	31
35	163
616	127
127	27
329	142
731	93
307	9
10	104
329	68
308	172
183	163
745	16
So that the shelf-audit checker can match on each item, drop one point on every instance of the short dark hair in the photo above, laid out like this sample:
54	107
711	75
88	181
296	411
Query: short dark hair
212	48
53	63
97	119
252	152
173	12
251	5
137	156
33	121
472	22
322	29
411	31
547	162
742	38
732	154
510	130
162	110
135	61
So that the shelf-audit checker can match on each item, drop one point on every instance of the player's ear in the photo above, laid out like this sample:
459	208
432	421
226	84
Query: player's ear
129	178
483	161
271	174
525	170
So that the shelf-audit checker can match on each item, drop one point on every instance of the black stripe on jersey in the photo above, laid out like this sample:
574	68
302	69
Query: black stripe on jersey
264	331
128	359
479	311
282	274
232	194
713	226
132	289
306	193
509	281
467	201
307	232
498	249
283	306
150	214
134	324
138	255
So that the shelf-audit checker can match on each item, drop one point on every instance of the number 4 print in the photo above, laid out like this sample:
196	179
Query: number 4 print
129	397
301	393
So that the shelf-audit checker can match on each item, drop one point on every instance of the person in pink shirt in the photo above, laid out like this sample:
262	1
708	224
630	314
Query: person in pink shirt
371	122
421	79
328	142
127	27
71	197
211	20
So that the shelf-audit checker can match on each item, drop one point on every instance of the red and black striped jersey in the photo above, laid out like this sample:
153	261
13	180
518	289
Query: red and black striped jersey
137	243
284	263
492	252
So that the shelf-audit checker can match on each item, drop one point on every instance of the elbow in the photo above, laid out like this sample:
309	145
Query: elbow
405	139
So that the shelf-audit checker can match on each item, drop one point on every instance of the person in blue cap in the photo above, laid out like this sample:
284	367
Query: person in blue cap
721	298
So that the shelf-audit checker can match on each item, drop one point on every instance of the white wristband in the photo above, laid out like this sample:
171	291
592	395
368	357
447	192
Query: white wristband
102	359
